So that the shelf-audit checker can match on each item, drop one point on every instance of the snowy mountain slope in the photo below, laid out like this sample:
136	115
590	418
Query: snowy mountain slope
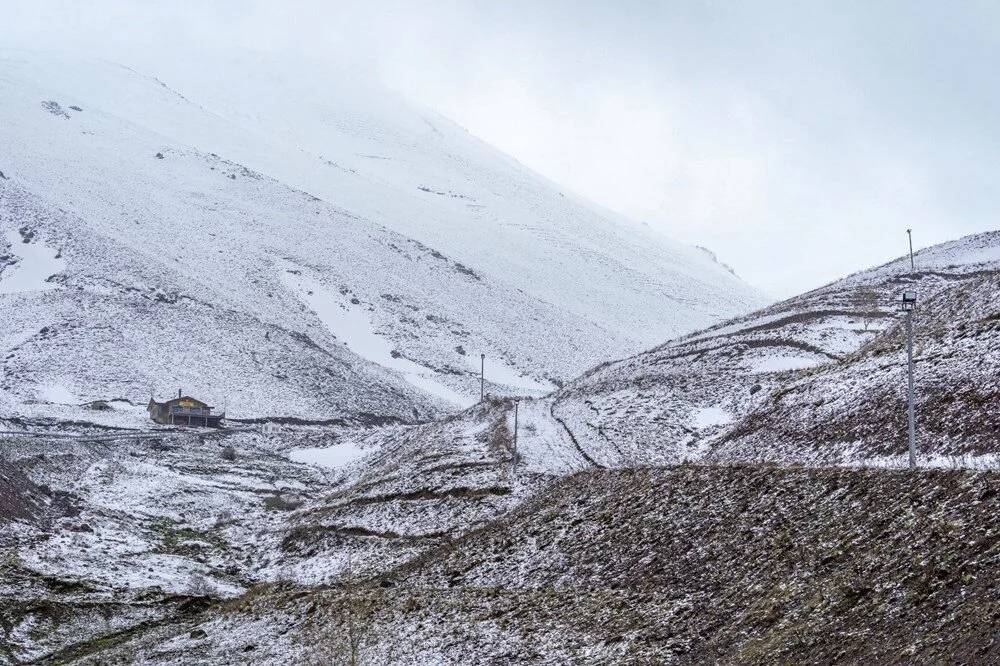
275	233
456	193
818	377
121	321
855	410
734	564
710	396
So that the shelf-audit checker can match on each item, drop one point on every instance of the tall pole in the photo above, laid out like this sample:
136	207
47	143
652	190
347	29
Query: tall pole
516	403
909	393
482	377
910	416
909	234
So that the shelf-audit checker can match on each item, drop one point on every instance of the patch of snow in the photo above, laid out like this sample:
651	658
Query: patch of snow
56	393
16	338
352	326
334	457
841	335
37	264
706	417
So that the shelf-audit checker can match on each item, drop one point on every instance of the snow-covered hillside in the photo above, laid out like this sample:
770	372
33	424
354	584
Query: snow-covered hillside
312	252
817	378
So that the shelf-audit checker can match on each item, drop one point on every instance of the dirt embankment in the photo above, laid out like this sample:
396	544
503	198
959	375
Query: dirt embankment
20	499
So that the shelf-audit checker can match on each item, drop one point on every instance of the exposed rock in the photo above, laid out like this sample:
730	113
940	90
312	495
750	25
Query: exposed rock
54	108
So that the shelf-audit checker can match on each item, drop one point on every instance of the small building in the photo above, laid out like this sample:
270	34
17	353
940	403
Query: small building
184	411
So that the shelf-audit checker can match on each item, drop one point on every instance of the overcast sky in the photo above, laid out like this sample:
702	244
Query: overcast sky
797	140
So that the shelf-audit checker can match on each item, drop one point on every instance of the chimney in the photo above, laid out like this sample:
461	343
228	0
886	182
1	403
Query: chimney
178	393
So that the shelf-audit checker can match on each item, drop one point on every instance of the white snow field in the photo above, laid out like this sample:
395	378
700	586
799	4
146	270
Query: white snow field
335	457
35	264
188	219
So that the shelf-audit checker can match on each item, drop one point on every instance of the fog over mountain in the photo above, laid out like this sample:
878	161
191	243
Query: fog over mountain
797	141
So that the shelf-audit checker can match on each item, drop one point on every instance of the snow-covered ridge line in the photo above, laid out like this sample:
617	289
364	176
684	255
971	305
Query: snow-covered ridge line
813	380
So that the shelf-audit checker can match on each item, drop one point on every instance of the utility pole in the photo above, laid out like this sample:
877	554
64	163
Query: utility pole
908	304
482	377
909	234
516	404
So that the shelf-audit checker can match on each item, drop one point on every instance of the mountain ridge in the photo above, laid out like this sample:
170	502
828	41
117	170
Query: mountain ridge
422	279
